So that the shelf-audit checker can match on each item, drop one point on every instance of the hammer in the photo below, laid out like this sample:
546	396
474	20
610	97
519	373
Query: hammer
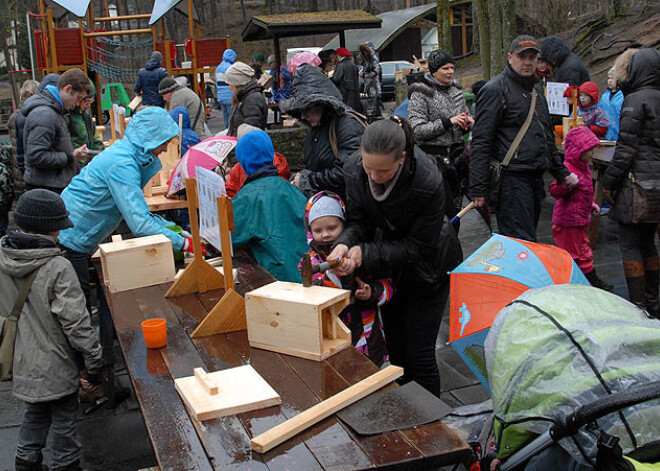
307	269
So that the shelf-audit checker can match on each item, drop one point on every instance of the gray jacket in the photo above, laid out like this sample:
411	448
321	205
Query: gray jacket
431	107
54	321
46	143
188	99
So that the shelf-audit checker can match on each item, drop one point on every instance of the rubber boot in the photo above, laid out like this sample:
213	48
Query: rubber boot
597	282
634	272
652	286
23	465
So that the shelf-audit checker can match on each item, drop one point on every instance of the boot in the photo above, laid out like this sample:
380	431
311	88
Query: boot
652	286
634	272
24	465
597	282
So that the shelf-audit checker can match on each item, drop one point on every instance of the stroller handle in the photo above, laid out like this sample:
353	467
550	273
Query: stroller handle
586	414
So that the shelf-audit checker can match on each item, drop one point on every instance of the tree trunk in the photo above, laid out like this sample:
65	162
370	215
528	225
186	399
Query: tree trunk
508	23
444	27
483	24
244	12
496	33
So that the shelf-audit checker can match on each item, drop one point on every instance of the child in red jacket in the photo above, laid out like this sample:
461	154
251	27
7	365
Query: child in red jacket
573	206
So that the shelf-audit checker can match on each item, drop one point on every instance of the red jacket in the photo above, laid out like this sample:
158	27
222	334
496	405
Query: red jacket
573	206
237	175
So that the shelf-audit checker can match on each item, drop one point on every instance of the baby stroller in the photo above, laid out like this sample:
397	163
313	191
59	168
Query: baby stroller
574	372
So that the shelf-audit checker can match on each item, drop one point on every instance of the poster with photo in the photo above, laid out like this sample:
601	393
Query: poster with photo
557	102
210	186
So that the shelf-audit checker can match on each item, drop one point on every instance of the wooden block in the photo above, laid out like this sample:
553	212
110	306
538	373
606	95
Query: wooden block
296	320
198	277
226	316
284	431
240	390
135	263
206	380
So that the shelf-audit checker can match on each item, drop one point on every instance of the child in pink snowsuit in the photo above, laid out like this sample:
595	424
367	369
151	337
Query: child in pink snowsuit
324	219
573	206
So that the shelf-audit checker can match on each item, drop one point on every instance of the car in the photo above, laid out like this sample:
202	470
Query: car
389	68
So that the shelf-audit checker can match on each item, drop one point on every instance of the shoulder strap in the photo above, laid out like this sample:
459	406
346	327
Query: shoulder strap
23	294
519	137
360	118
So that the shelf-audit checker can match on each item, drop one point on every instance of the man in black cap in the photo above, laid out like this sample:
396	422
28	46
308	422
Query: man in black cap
148	79
504	105
53	329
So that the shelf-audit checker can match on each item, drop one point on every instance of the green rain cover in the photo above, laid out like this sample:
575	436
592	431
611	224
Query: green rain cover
559	347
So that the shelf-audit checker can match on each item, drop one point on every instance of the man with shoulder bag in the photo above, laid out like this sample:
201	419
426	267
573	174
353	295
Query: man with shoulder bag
513	144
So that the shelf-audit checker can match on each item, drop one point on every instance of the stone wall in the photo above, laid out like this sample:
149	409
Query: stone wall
289	142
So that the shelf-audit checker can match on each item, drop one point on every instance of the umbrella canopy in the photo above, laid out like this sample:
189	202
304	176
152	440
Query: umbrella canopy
300	58
77	7
560	347
208	154
497	273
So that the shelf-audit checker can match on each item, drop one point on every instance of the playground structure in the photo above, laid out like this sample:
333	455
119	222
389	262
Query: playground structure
100	51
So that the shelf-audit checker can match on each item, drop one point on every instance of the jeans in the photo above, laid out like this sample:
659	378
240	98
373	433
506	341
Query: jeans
411	324
226	113
38	417
521	195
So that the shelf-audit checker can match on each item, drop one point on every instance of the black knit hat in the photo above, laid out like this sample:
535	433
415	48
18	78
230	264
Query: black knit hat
41	211
167	85
438	58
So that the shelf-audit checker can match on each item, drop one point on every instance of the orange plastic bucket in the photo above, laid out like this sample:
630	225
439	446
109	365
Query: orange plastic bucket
155	333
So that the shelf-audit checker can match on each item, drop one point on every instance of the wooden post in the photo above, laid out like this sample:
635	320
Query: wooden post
99	107
575	107
51	36
112	122
166	44
191	31
154	35
342	38
229	314
199	276
162	29
82	44
44	22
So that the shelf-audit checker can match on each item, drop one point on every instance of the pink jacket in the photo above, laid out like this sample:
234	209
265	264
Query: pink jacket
573	206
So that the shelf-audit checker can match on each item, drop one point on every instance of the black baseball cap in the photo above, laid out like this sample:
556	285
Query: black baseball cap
524	42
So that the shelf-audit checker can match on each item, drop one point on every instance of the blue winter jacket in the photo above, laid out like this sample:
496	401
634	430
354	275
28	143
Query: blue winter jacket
147	83
109	188
188	137
225	95
612	103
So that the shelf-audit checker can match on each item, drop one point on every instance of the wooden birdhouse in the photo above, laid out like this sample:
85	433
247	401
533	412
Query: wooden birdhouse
296	320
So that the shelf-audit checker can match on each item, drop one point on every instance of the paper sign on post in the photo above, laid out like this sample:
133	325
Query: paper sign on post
210	186
557	102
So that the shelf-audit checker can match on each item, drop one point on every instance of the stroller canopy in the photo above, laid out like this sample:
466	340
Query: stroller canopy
559	347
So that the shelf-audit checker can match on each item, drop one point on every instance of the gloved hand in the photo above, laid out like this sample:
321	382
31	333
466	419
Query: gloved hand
571	180
189	247
595	208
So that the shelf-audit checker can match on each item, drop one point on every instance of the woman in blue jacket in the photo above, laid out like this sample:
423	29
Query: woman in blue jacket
225	95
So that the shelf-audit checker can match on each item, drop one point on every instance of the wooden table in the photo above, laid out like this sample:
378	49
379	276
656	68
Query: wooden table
161	203
181	443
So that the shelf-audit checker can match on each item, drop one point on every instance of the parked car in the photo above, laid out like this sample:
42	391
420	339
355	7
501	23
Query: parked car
389	68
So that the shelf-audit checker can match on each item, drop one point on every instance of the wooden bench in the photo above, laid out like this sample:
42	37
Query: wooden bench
224	443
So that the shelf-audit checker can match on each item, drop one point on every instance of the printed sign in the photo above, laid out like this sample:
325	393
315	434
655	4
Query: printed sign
557	103
210	186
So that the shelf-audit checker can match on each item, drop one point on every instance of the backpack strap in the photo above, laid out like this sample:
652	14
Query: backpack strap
360	118
22	295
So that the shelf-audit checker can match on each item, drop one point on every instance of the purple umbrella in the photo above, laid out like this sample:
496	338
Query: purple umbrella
301	58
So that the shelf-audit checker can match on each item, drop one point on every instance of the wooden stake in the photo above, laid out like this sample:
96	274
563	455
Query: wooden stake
286	430
199	276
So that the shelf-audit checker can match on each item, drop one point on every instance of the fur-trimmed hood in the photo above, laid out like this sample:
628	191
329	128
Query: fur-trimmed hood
429	85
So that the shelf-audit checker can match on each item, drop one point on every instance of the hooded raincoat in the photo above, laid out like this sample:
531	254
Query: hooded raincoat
188	137
268	211
225	95
568	67
54	323
109	189
595	117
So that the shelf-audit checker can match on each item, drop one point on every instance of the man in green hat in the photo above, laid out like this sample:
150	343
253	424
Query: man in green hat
257	63
81	126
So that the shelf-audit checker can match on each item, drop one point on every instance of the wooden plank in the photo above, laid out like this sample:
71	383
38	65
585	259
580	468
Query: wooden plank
162	203
174	440
297	424
206	381
226	316
438	443
242	390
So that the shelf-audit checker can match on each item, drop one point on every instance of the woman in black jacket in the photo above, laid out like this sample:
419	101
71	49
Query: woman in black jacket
637	153
397	228
334	135
249	104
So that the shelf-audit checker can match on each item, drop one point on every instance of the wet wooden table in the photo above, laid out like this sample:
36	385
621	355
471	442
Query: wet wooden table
180	443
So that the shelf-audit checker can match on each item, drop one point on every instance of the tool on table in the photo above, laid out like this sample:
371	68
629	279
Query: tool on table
462	212
307	269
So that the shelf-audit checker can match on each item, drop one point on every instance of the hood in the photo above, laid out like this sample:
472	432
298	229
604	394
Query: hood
50	79
251	87
183	111
578	141
591	89
554	50
254	151
643	71
19	262
229	56
43	98
150	128
310	88
152	64
308	207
